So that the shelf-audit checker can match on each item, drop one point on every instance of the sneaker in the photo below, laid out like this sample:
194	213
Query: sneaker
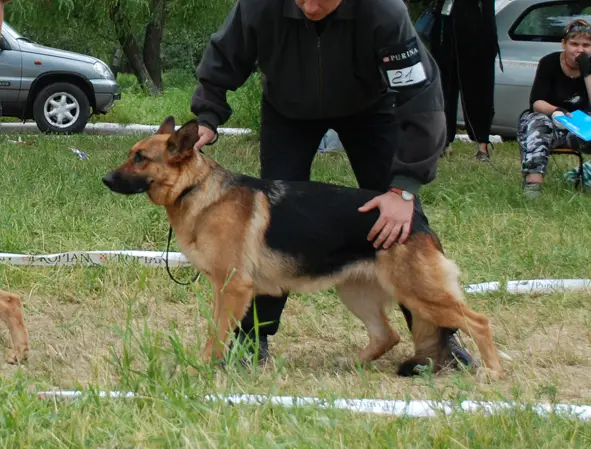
532	190
482	156
455	358
458	355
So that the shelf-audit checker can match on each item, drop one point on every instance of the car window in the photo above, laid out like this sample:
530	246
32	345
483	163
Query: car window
546	22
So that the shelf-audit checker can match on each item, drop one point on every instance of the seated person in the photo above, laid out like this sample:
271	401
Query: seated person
562	84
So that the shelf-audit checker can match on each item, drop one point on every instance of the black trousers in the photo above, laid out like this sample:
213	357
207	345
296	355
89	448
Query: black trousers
288	148
466	56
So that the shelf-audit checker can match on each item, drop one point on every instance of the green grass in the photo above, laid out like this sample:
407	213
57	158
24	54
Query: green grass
128	327
136	106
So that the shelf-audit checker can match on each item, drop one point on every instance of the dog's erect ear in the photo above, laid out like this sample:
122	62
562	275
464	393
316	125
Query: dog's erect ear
167	126
187	135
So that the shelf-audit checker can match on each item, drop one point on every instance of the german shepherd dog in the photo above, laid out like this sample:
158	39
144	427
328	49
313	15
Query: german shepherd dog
250	236
12	315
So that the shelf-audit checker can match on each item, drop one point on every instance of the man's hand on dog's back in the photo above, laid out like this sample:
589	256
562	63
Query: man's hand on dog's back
395	219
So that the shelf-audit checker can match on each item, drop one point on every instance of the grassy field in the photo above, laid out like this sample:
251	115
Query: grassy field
128	327
136	106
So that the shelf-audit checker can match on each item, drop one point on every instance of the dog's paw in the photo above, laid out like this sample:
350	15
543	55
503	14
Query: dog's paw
489	375
17	355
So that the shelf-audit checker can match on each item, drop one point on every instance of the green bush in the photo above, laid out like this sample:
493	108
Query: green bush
246	103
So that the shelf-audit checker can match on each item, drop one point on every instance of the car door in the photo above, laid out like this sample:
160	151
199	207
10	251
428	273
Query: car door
10	74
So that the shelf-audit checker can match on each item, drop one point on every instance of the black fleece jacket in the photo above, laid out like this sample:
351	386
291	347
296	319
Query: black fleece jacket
367	51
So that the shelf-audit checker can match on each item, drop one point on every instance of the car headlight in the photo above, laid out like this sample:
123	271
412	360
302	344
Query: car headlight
103	70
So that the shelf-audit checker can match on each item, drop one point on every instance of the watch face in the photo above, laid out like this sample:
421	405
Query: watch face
407	195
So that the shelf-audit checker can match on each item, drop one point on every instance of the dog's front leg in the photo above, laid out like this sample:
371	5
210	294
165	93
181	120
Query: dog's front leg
231	301
12	315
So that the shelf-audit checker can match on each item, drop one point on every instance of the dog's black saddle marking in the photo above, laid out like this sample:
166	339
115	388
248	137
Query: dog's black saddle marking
319	225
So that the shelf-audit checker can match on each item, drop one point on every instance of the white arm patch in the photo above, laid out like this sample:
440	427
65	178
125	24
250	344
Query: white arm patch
406	76
401	65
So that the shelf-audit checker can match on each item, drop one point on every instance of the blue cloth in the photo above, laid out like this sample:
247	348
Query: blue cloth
330	142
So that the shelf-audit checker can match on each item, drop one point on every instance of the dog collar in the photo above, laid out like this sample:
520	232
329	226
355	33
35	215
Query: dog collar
185	192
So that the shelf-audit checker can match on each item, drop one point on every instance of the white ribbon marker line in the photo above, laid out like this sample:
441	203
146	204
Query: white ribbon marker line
531	286
412	408
154	258
157	258
110	129
466	138
106	128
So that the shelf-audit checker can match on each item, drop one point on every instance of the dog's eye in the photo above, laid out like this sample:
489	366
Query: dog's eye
138	157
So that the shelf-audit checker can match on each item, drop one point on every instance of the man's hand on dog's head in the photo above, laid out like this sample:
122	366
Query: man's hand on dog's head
206	136
394	222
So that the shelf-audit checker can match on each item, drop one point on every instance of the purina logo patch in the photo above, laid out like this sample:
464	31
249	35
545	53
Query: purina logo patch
406	55
401	65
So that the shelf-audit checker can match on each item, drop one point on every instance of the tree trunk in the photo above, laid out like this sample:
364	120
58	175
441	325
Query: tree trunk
131	48
153	41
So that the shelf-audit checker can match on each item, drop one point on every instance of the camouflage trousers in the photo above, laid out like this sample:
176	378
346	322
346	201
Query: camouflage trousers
537	135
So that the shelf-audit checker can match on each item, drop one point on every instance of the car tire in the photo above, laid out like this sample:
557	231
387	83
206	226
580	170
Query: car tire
61	108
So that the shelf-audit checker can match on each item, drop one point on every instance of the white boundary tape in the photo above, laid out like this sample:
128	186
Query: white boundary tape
90	258
466	138
411	408
107	128
532	286
157	258
123	129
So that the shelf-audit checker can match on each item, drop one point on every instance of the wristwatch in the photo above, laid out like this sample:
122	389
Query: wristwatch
406	195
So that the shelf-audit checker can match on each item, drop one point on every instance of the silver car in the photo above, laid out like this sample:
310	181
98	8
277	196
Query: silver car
56	88
528	30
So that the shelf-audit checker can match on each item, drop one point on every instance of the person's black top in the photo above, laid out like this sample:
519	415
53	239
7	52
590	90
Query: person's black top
553	86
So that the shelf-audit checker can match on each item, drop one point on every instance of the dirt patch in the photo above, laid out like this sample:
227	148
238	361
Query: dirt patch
72	344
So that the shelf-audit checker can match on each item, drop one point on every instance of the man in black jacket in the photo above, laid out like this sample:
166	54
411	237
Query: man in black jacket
351	65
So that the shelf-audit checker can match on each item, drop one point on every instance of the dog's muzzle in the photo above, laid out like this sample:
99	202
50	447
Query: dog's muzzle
126	184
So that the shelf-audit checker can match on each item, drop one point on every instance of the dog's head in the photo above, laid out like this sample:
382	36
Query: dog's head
158	165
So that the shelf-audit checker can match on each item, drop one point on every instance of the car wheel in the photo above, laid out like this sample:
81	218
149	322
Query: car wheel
61	108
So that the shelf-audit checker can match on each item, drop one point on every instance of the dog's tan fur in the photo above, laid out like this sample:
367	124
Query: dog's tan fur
220	228
12	315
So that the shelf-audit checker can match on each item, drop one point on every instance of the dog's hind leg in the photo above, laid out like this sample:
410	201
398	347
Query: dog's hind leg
449	312
428	286
231	301
11	314
369	303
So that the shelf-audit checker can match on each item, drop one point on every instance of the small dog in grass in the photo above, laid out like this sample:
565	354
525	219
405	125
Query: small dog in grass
251	236
12	315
